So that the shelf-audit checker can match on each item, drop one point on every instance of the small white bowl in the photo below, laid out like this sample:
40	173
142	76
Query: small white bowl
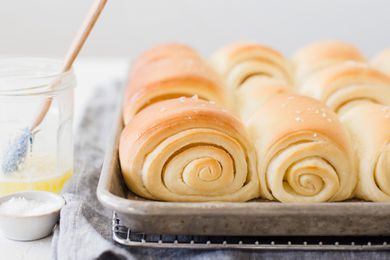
27	228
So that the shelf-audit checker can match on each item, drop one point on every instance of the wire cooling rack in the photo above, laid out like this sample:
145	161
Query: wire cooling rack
124	236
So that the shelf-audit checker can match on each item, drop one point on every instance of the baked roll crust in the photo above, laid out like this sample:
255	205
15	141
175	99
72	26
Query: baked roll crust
304	153
382	61
340	86
323	54
238	62
162	74
187	149
164	51
255	92
369	126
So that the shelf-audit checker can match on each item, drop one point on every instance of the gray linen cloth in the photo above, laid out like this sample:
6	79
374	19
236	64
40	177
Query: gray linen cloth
85	226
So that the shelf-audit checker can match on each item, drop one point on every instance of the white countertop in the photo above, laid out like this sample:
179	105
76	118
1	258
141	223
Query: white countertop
90	72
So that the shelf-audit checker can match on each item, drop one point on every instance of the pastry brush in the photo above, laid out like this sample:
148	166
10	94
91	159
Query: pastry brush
15	155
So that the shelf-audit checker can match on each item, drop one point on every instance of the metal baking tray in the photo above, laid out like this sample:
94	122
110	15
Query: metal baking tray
125	236
254	218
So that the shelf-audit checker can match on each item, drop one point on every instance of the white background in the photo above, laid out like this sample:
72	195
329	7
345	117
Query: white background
46	27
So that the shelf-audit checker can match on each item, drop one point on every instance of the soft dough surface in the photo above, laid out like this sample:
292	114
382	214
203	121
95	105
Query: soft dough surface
304	153
187	149
369	125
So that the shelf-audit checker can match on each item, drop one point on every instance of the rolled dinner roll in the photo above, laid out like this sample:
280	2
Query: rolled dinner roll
238	62
323	54
186	149
303	152
165	51
369	126
255	92
382	61
348	83
163	74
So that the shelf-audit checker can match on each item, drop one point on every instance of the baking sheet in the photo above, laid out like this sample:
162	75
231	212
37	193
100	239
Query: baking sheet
254	218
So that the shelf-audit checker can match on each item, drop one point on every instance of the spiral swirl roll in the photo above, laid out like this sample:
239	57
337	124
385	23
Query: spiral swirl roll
369	126
239	61
348	83
303	152
187	149
317	56
167	72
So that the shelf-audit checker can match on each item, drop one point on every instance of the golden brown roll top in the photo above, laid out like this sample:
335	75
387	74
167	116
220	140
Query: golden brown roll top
187	149
164	51
382	61
239	61
340	86
162	74
255	92
369	126
303	152
320	55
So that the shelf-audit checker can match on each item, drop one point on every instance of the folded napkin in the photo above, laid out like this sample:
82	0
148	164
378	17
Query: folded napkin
85	226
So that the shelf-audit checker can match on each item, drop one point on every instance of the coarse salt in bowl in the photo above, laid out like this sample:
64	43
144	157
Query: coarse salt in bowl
29	215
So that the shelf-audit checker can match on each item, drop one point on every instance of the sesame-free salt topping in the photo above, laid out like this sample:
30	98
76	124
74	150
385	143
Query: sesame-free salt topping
20	206
194	97
182	99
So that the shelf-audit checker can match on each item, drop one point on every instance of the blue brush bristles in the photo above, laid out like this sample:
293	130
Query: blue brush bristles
16	154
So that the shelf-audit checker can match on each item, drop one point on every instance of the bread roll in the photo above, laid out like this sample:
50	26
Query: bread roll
165	51
369	126
340	85
239	61
174	76
187	149
303	152
255	92
319	55
382	61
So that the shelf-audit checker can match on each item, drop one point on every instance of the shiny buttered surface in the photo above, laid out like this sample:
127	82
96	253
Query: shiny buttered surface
251	123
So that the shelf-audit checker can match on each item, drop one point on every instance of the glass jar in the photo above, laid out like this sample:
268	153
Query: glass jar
25	85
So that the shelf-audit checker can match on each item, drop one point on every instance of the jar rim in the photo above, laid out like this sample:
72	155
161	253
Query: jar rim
32	75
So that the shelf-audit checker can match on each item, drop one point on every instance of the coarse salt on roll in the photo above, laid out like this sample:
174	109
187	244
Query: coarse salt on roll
369	126
186	149
304	153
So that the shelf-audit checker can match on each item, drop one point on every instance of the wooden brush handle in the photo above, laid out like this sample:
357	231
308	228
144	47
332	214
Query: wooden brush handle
72	54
